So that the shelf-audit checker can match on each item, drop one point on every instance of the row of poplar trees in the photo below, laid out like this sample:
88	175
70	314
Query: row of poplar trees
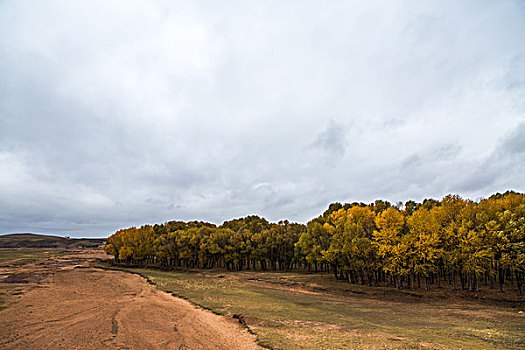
453	241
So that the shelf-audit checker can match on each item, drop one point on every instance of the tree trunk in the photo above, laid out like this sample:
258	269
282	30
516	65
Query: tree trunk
334	268
518	281
501	279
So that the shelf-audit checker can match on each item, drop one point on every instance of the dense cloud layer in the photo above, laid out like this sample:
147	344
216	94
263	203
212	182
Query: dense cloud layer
145	111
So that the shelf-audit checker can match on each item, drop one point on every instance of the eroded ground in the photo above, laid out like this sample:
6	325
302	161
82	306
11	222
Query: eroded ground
60	302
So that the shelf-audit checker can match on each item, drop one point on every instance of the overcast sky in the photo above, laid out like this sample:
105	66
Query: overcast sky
120	113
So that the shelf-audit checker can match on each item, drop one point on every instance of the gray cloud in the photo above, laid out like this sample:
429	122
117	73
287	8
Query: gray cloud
332	140
446	152
144	111
422	169
514	144
503	168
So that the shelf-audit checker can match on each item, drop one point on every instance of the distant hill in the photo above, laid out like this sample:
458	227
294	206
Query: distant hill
32	240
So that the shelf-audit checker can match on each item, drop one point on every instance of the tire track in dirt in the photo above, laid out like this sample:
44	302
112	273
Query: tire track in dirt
91	308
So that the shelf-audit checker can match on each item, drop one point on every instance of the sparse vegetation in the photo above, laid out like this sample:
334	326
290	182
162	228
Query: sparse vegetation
88	308
290	310
21	256
30	240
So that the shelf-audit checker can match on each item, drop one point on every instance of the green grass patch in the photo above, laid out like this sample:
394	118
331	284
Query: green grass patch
306	311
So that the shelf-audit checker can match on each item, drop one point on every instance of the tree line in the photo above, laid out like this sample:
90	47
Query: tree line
454	240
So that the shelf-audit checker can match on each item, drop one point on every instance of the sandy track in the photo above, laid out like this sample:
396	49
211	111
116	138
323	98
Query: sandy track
88	308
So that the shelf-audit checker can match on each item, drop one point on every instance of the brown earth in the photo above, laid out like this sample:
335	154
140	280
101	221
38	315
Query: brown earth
64	303
31	240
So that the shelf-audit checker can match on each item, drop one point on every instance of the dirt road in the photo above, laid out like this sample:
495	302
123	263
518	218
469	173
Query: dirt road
89	308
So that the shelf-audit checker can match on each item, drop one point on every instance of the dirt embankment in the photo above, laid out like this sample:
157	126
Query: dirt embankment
88	308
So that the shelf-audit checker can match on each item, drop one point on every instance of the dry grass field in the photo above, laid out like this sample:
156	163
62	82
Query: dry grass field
312	311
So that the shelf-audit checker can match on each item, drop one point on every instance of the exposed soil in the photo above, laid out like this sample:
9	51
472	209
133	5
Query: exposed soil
80	307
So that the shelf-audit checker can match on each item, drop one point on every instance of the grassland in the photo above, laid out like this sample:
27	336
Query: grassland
307	311
20	256
31	240
312	311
